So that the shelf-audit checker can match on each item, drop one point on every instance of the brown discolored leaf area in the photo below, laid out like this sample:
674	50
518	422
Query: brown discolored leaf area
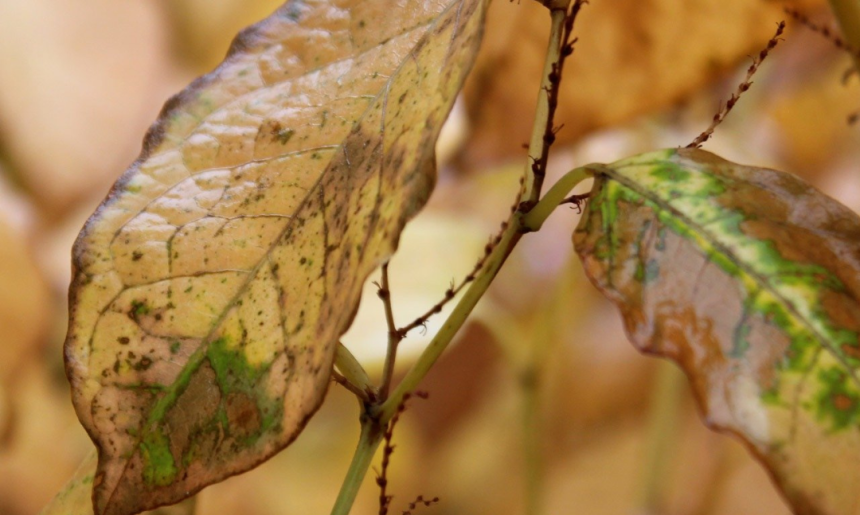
211	286
631	57
749	278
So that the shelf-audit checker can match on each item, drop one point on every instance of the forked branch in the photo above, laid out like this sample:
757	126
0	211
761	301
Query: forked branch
377	415
454	289
825	31
552	86
387	451
560	43
394	336
837	41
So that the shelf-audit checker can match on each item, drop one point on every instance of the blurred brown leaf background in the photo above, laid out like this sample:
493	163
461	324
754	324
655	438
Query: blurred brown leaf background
81	81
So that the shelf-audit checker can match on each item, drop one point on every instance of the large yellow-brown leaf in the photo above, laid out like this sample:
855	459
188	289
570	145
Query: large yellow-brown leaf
632	56
749	278
212	285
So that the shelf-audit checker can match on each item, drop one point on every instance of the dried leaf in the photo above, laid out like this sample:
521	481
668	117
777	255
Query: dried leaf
632	57
212	285
749	278
76	496
26	303
25	299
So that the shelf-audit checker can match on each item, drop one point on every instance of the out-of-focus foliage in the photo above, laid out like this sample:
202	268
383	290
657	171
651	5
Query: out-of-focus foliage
595	388
749	278
80	82
624	51
25	311
202	30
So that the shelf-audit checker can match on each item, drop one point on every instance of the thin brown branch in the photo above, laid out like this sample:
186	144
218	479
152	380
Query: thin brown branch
830	35
394	336
742	88
343	381
453	290
419	501
539	163
388	450
827	32
385	294
577	201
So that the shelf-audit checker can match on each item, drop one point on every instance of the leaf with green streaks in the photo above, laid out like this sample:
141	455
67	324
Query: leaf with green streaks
76	496
749	278
211	286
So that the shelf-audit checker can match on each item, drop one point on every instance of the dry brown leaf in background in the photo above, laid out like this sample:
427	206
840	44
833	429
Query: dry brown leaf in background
603	473
80	82
811	115
633	56
203	29
592	465
26	303
48	445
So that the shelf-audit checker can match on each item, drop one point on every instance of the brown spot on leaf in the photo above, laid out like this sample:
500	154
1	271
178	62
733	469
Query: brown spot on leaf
843	402
243	414
852	351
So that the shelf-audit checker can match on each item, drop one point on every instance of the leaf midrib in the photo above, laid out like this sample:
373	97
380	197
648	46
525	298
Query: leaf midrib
665	205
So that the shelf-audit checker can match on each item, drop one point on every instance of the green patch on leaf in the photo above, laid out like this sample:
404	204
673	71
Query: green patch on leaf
838	403
159	467
140	308
231	367
757	297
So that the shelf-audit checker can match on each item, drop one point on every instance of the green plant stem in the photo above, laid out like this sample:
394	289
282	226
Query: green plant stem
535	218
531	385
437	346
351	369
847	13
369	440
378	416
662	436
537	146
394	336
532	440
510	237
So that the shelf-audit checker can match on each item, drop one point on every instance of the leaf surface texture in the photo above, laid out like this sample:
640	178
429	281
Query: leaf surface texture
211	286
749	278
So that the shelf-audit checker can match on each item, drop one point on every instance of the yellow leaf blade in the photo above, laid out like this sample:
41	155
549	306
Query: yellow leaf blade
211	286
